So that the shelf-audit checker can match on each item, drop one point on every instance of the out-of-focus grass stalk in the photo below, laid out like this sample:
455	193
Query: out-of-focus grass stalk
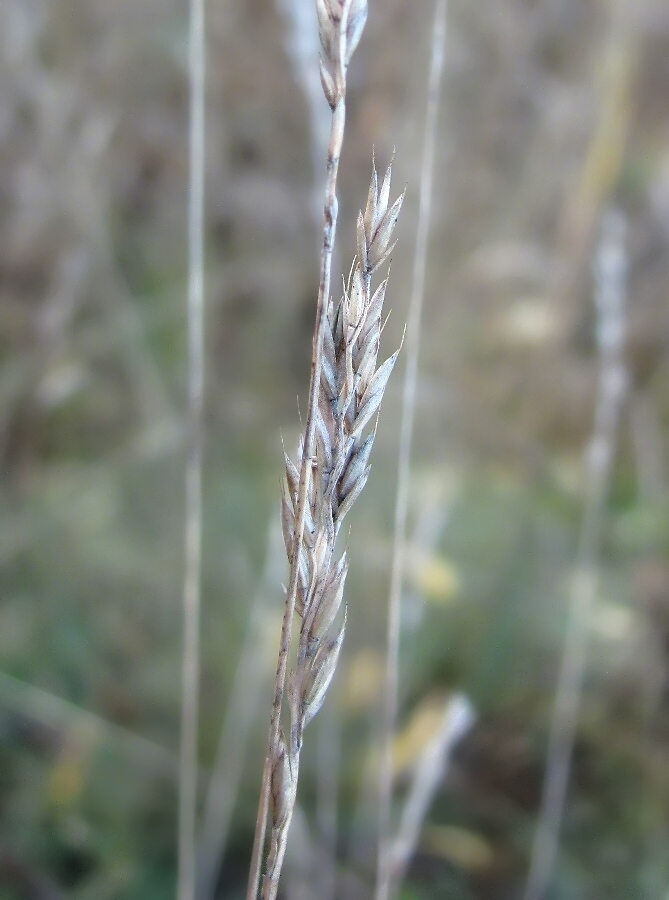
610	274
193	512
406	433
34	702
429	770
327	790
646	433
302	46
241	709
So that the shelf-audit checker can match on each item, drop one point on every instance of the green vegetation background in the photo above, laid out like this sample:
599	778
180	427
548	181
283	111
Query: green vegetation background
552	111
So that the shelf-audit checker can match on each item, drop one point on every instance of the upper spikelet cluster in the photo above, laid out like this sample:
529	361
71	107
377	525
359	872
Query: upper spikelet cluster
350	393
340	26
351	390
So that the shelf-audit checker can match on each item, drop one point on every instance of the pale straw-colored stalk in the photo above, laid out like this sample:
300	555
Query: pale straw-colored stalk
193	510
406	435
344	394
610	272
303	49
349	397
251	676
429	771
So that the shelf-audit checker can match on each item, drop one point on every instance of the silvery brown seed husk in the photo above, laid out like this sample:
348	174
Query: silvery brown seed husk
332	463
351	389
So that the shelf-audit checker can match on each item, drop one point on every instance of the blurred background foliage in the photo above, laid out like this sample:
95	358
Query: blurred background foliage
552	112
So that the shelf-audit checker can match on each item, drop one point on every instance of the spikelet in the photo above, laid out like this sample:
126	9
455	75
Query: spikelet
351	391
340	27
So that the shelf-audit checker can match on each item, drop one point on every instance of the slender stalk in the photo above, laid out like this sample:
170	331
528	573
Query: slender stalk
31	701
406	433
327	786
330	220
610	298
250	678
193	529
330	211
430	769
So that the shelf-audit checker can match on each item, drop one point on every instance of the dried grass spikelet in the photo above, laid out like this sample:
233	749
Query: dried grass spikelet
350	393
345	392
340	27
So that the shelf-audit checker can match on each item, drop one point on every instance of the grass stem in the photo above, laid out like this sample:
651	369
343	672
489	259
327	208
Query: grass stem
609	299
406	434
193	513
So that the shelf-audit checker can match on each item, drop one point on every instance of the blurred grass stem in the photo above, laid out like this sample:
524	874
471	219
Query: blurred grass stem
241	709
48	708
429	771
193	511
610	272
406	434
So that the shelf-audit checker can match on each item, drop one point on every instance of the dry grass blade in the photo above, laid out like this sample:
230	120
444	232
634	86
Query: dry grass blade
193	537
429	771
406	433
241	710
610	302
33	702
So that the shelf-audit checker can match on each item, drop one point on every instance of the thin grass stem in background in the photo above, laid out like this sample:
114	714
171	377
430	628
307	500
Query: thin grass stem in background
241	709
429	771
328	765
193	510
610	273
302	47
406	434
31	701
646	434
